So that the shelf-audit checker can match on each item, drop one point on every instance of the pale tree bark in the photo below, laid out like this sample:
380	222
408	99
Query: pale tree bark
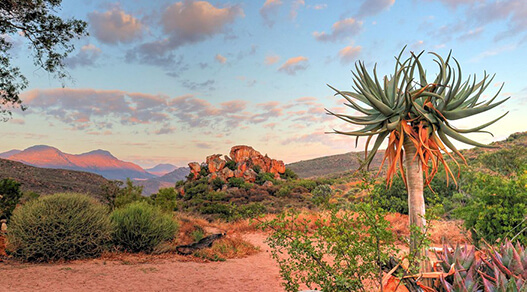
416	201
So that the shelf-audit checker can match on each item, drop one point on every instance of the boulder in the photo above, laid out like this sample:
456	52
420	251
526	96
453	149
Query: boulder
215	163
246	155
277	166
226	173
238	173
249	175
242	153
195	168
3	225
268	184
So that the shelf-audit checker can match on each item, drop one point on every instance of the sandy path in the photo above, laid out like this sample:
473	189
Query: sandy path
255	273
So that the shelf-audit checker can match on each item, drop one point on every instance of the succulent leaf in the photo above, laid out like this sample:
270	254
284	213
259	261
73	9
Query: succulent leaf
397	106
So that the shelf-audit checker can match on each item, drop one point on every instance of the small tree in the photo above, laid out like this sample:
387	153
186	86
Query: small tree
10	195
415	115
128	194
49	39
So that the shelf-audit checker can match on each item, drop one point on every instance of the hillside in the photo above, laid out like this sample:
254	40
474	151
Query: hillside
98	161
337	164
49	181
332	164
151	186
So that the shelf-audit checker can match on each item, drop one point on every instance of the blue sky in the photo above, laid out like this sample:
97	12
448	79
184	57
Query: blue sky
175	81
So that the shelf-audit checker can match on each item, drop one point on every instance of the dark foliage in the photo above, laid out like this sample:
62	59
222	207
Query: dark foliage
49	38
10	195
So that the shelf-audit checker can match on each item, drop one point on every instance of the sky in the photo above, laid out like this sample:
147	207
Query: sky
176	81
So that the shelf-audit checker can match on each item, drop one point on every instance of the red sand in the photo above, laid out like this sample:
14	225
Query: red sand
255	273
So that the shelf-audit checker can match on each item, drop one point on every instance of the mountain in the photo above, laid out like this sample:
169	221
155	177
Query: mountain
49	181
161	169
9	153
98	161
151	186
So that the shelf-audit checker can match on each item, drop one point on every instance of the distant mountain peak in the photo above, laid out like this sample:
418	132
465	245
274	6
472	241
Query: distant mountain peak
161	169
41	147
99	152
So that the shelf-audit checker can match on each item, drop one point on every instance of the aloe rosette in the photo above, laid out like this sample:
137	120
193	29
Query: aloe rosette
407	106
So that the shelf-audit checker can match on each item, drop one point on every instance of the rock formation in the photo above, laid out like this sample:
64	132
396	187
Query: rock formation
247	161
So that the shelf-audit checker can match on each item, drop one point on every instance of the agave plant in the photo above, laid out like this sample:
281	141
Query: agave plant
415	115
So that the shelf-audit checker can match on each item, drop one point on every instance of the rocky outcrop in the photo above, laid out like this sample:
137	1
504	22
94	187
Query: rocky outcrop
247	163
215	163
195	168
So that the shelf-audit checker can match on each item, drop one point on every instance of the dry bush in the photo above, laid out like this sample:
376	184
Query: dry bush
229	247
440	232
188	225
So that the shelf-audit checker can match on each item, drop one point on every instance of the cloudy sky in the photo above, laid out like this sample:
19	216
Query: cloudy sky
172	82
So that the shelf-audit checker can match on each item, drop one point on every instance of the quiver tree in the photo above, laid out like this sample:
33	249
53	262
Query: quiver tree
415	115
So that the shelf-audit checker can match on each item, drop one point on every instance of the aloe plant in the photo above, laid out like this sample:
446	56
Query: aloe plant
502	269
415	115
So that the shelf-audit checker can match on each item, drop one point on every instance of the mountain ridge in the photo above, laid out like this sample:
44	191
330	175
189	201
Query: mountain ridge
98	161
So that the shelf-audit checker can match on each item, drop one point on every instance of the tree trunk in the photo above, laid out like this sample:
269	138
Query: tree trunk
416	201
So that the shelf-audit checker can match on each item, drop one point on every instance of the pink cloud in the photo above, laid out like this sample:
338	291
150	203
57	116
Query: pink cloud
115	26
220	59
269	60
87	56
349	54
270	9
191	21
340	30
293	65
183	23
372	7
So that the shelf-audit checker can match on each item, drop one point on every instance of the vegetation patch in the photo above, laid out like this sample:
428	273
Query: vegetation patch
59	227
140	227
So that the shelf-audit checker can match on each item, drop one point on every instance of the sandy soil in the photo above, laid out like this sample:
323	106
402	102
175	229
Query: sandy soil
254	273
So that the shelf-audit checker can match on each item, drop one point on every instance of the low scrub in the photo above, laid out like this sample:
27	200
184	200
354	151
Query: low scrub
140	227
59	227
227	248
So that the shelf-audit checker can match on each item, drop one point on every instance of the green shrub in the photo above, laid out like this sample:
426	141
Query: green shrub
395	198
262	177
505	161
61	226
141	227
180	183
231	165
284	191
10	195
236	182
307	183
195	188
204	171
165	199
321	194
217	183
129	194
289	174
257	168
497	208
338	252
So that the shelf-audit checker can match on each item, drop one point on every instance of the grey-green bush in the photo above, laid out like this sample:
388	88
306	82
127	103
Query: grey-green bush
61	226
141	227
